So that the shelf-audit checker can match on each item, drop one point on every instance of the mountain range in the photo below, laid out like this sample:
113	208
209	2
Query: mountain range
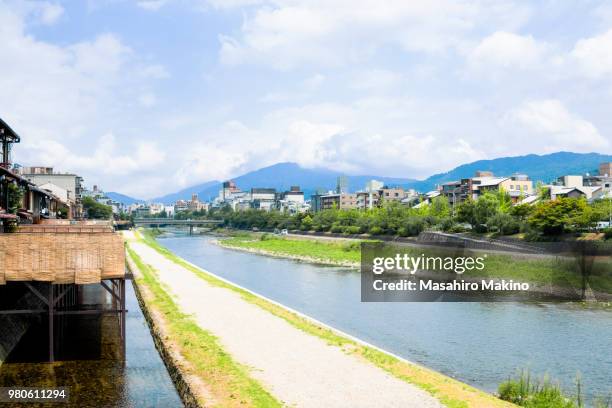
283	175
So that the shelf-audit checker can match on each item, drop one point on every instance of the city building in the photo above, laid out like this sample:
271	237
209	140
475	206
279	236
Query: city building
263	198
228	191
392	194
342	186
292	201
574	186
71	183
343	201
518	186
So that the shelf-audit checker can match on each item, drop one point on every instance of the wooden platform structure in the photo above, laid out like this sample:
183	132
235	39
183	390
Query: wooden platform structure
53	259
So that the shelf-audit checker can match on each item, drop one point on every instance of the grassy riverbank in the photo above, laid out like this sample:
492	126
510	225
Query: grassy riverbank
326	252
223	382
542	271
450	392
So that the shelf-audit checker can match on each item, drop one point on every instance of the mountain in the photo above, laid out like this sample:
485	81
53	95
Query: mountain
282	176
185	194
544	168
122	198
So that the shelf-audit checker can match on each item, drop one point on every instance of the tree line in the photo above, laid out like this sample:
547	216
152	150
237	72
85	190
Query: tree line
491	213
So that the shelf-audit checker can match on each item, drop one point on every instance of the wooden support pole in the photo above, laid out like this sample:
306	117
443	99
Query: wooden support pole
122	284
51	304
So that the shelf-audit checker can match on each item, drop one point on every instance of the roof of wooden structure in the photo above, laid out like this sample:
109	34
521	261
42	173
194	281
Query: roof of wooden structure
6	131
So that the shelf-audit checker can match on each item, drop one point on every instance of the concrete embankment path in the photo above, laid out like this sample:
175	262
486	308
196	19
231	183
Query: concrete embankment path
299	369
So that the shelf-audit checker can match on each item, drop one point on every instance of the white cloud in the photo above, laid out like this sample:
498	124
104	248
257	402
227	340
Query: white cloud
286	33
593	55
50	13
154	71
375	80
105	55
147	99
61	98
151	5
507	50
548	126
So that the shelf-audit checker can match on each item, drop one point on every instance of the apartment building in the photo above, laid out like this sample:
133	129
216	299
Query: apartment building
71	183
343	201
517	186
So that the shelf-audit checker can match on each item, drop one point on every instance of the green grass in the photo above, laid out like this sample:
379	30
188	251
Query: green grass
230	382
561	273
527	391
331	252
452	393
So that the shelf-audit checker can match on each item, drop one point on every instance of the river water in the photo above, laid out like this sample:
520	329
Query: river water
478	343
90	361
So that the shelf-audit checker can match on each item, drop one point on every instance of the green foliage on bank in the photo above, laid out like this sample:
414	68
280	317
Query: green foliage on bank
492	213
96	210
527	391
332	252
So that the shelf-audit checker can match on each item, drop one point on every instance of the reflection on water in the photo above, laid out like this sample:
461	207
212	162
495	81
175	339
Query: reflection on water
478	343
91	365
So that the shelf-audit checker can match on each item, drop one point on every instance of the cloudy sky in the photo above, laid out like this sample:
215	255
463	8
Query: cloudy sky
146	97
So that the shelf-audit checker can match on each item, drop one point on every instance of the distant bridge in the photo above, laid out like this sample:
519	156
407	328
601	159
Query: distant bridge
158	222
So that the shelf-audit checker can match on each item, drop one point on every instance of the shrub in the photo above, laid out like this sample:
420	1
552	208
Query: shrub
447	224
351	246
527	392
504	224
376	230
607	233
336	227
352	229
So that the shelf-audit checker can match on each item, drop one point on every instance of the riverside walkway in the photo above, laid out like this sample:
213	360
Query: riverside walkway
297	368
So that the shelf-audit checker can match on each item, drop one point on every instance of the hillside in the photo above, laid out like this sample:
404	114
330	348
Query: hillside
122	198
545	168
185	194
283	175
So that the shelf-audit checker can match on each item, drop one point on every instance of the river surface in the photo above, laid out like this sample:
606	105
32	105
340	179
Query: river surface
91	366
478	343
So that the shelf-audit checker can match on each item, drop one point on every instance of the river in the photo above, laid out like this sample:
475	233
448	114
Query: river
478	343
90	365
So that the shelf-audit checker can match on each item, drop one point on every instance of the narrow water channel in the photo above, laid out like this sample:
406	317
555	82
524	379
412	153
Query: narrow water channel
90	365
478	343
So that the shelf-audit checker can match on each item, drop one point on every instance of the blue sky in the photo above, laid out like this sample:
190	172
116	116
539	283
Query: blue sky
146	97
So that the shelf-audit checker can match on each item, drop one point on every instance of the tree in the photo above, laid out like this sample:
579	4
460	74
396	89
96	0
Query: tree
503	224
521	211
504	201
561	215
96	210
486	207
15	197
466	212
439	207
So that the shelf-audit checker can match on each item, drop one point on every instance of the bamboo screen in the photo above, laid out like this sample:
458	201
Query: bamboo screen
79	258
